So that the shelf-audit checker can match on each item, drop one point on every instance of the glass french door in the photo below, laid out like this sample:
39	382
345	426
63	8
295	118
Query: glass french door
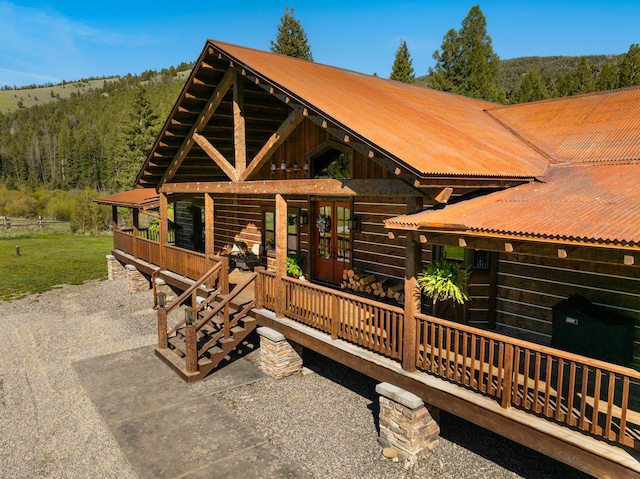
332	253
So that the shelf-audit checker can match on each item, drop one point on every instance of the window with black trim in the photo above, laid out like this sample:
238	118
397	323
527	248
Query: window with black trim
293	232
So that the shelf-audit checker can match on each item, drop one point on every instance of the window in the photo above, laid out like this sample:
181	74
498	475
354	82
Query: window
270	231
468	258
293	232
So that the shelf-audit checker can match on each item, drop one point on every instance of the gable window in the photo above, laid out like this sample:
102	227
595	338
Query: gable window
331	159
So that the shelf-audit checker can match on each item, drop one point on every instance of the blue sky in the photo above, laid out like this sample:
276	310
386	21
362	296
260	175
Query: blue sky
51	41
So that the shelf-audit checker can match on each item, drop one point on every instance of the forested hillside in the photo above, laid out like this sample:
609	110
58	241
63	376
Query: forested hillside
97	137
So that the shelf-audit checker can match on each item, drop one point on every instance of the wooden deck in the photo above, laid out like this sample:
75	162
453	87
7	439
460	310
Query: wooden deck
581	411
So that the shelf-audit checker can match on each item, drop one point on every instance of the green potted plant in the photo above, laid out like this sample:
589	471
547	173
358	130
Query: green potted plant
294	267
444	281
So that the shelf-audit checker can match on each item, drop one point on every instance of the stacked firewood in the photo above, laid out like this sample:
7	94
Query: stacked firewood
358	280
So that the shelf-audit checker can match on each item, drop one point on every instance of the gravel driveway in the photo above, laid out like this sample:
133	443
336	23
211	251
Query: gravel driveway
324	420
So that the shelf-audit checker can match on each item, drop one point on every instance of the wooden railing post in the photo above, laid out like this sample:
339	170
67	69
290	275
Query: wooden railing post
259	287
507	375
191	341
224	275
162	328
412	303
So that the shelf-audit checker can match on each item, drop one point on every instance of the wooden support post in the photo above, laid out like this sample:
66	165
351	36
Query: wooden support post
136	230
114	217
162	328
209	230
239	126
164	227
412	300
281	255
259	287
507	380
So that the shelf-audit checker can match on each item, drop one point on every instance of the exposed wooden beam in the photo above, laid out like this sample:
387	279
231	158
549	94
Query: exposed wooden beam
570	250
216	156
239	131
318	187
272	144
204	117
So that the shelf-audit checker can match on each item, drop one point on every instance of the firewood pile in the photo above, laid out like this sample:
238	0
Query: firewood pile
361	281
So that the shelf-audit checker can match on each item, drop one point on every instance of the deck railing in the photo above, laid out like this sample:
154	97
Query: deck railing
148	250
594	396
124	241
373	325
591	395
190	264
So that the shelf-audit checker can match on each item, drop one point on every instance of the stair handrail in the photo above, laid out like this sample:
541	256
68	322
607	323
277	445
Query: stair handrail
221	265
224	304
226	299
191	289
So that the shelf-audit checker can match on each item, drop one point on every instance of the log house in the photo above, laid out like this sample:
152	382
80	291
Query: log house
359	176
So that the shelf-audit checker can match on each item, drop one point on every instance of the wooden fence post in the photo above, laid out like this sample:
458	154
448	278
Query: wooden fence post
335	317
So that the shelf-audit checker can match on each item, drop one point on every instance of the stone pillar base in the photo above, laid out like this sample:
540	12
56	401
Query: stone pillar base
163	287
278	357
136	280
115	269
405	423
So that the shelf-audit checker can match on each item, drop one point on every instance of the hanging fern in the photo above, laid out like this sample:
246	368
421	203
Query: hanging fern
444	280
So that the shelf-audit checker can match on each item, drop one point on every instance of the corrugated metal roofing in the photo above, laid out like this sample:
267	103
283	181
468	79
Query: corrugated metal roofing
434	133
592	204
593	128
140	198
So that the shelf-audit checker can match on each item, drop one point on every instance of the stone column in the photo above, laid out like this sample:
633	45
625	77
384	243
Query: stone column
278	356
115	269
163	287
405	423
136	280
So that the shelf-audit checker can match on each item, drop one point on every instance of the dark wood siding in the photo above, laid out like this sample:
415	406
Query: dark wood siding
529	287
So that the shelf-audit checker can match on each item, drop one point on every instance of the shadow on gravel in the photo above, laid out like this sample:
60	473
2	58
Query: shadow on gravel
516	458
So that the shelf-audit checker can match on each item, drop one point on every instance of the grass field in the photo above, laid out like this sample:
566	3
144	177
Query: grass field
48	260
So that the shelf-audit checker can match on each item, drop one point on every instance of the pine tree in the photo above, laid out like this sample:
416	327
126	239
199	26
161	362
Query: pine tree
402	69
137	134
607	78
584	82
466	63
629	70
291	40
532	88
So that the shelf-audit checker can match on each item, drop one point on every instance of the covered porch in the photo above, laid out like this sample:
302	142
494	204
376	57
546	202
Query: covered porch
579	410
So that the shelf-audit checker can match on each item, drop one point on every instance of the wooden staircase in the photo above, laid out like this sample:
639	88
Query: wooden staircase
212	329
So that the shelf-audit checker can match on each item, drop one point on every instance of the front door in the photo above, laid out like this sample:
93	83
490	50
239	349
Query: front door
332	249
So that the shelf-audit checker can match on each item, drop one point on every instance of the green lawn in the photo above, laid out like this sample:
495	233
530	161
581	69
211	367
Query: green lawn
50	259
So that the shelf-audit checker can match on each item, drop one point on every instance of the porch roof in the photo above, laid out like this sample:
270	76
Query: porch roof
586	204
141	198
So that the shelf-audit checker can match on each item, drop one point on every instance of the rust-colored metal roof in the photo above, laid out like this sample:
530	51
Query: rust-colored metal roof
144	198
591	204
431	132
592	128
